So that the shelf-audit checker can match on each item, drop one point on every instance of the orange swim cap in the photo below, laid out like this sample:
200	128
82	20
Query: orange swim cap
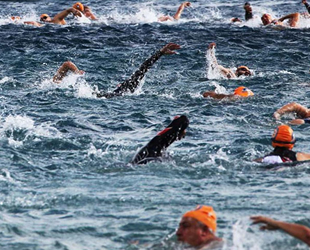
283	137
205	215
78	6
43	17
243	91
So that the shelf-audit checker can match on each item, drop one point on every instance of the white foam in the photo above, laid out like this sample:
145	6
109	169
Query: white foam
26	127
242	239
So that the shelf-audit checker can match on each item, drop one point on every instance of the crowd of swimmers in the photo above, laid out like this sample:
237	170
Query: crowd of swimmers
198	227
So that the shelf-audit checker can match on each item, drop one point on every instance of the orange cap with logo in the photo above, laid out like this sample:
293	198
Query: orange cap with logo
78	6
204	214
283	136
243	91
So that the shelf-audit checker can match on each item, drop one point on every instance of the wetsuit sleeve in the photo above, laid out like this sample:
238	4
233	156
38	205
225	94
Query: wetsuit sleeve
175	130
307	7
132	83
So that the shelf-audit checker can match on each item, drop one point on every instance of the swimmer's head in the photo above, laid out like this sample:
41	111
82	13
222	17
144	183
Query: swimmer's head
283	136
205	215
266	19
78	6
45	18
235	20
243	92
243	71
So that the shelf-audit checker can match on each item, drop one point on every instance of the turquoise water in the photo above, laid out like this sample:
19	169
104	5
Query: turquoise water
65	179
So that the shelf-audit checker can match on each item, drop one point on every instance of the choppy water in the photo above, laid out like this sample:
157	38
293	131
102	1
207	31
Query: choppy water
65	179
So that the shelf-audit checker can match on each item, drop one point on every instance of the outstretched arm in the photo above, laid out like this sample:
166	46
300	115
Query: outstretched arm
306	5
34	23
180	10
62	15
211	56
132	83
296	230
300	110
216	96
63	70
293	19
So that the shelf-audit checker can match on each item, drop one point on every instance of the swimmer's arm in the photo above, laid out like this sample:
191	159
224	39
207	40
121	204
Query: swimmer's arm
296	230
89	14
133	82
297	122
180	10
33	23
226	72
63	70
306	5
62	15
216	96
294	18
300	110
302	156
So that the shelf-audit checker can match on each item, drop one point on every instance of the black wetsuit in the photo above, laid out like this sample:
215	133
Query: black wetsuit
285	154
175	130
131	84
307	7
248	15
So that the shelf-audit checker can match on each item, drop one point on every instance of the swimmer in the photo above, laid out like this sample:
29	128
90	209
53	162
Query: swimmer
283	141
177	14
293	20
306	5
248	13
58	19
197	228
240	92
225	72
301	112
296	230
86	10
64	69
155	148
131	84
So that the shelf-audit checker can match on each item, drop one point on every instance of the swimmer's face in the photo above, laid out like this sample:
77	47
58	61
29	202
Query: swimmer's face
266	19
243	71
190	232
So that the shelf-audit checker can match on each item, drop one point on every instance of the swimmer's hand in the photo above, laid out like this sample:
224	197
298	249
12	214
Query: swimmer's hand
187	4
75	12
168	49
212	45
270	224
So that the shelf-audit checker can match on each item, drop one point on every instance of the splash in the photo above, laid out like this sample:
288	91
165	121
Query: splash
242	238
19	128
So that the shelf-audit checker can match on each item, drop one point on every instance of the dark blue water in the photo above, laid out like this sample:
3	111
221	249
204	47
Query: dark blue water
65	179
